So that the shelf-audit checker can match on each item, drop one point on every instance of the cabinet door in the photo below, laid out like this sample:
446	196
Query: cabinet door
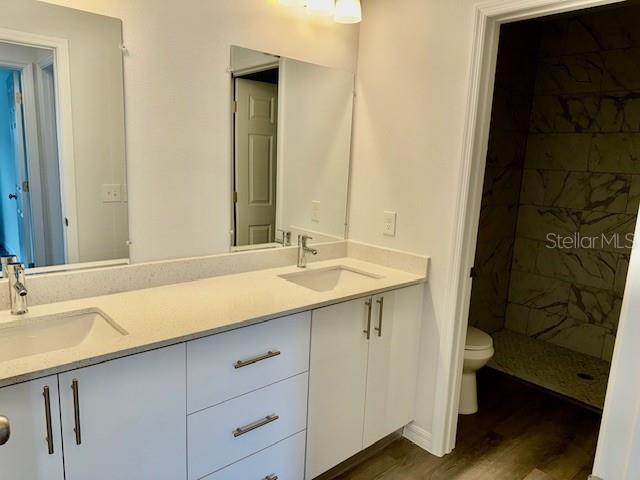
337	377
131	418
32	410
393	362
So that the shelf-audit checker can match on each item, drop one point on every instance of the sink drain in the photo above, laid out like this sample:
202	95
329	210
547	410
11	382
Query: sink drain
585	376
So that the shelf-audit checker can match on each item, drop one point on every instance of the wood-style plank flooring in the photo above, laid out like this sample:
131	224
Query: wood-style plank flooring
520	433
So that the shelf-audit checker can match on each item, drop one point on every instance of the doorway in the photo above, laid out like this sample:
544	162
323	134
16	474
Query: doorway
255	135
31	225
586	145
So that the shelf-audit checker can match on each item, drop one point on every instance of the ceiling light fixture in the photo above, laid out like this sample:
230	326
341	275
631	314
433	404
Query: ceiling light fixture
348	11
342	11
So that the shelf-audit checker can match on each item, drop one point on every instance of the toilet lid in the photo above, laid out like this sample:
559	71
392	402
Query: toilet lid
478	340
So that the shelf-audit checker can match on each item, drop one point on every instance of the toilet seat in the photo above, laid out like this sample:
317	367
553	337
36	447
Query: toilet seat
477	340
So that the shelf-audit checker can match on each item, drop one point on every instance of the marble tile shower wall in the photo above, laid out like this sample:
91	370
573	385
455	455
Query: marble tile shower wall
512	99
581	177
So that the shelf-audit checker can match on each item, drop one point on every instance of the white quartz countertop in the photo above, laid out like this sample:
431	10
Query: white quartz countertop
166	315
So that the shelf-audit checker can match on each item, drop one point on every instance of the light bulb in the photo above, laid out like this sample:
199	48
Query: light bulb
324	8
292	3
348	11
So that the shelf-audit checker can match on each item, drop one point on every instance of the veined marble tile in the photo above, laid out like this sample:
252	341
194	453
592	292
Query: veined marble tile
634	195
501	186
510	110
488	305
558	151
517	318
579	337
494	257
576	190
581	73
497	222
613	28
553	37
544	321
539	292
506	148
608	231
615	153
525	254
595	306
622	70
621	275
607	349
597	113
542	223
593	268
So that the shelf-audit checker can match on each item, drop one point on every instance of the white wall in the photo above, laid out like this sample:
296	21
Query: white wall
314	145
177	106
411	94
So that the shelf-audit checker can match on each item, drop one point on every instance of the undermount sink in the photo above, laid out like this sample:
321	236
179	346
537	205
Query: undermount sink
329	278
25	336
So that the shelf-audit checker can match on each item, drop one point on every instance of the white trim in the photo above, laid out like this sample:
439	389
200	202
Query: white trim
488	18
418	435
60	47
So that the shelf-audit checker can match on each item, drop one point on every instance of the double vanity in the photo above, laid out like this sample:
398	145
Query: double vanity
279	373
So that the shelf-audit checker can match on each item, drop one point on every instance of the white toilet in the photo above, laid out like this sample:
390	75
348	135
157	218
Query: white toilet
477	352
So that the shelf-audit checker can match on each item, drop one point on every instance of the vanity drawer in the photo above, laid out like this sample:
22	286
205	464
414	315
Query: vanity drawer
267	352
284	461
233	430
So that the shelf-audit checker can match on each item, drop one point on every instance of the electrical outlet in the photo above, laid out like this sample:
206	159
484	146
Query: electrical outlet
315	211
111	193
389	226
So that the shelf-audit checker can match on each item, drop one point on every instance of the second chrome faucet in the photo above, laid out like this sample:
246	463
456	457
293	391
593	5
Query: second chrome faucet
303	249
14	272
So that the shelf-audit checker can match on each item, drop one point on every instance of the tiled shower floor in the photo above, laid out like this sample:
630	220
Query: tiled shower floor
549	366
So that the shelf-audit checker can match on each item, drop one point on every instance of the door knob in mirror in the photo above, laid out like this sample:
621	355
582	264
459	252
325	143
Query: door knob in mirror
13	196
5	430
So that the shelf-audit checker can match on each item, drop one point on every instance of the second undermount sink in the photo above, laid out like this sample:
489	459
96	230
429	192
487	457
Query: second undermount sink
330	278
25	336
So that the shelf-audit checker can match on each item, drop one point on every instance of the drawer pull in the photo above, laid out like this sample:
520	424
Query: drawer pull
271	477
76	411
251	361
252	426
369	305
47	415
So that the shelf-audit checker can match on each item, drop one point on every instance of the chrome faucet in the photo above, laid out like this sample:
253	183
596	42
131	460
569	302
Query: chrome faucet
5	261
303	249
17	290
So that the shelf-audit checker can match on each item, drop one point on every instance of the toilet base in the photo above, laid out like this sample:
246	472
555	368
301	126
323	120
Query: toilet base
468	394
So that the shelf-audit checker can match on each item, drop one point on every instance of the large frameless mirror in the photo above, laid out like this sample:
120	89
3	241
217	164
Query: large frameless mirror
63	189
291	150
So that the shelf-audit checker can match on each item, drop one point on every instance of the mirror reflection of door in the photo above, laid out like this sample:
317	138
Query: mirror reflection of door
256	125
31	219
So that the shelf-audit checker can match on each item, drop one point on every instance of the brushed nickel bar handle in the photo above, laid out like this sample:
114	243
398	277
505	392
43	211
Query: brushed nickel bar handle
5	430
260	358
76	411
271	477
380	302
47	413
253	426
369	304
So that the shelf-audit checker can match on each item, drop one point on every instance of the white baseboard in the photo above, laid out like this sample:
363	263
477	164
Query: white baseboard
420	437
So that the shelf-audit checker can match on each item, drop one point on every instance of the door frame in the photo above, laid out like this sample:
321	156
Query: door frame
488	16
62	75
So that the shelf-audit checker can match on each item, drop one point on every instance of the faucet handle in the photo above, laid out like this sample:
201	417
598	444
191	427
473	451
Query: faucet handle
5	261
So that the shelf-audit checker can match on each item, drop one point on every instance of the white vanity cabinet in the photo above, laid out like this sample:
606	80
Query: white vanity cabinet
34	448
125	419
363	374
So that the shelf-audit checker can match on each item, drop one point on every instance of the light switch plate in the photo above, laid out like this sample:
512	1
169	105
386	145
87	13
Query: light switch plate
389	226
111	193
315	211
